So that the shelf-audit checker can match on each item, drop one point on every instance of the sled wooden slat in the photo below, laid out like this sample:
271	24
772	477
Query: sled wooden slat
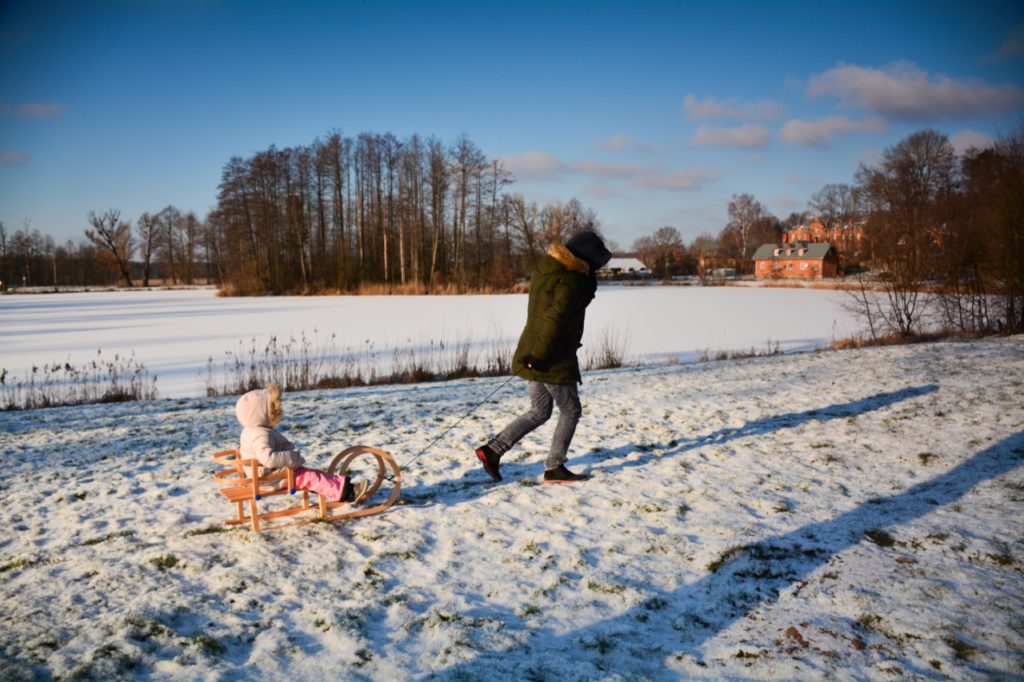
242	484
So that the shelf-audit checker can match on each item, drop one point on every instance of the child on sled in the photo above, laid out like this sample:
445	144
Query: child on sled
258	412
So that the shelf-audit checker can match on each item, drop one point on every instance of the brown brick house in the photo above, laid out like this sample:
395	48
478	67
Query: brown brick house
848	239
799	260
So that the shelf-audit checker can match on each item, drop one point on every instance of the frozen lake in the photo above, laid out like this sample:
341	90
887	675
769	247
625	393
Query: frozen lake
174	333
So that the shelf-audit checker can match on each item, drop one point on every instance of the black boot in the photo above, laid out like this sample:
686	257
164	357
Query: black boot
563	475
489	458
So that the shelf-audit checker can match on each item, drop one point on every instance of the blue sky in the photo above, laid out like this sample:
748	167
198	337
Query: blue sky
652	113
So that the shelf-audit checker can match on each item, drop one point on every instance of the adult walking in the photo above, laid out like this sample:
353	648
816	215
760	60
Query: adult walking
563	285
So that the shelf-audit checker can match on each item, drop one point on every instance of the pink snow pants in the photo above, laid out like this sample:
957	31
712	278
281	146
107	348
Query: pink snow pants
321	483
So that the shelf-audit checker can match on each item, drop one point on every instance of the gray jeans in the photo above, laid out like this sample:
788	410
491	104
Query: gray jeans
542	398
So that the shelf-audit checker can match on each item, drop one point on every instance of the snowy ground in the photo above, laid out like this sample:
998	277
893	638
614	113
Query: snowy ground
174	333
843	515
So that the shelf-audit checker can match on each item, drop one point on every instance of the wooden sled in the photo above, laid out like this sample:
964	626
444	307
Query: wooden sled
241	483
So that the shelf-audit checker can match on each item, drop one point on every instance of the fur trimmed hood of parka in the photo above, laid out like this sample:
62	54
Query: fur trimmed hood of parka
254	407
257	411
571	261
561	289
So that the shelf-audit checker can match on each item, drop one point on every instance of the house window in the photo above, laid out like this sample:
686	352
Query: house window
803	266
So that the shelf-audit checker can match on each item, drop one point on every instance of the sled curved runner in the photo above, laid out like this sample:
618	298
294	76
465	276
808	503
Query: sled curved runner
242	484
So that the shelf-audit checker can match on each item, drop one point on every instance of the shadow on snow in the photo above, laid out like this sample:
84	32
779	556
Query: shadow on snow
744	579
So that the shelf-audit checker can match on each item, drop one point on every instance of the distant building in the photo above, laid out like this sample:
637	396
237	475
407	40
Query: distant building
847	240
624	267
796	260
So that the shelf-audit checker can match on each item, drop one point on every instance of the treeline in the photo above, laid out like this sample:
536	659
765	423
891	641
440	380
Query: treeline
410	215
166	247
943	236
340	215
948	225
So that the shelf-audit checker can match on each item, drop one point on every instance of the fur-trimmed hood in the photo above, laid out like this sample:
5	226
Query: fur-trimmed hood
563	255
258	411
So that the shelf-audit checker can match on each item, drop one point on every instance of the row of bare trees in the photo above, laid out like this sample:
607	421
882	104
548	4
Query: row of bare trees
944	236
31	259
169	246
950	227
344	213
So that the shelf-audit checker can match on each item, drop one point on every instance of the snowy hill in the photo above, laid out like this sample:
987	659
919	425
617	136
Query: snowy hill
854	515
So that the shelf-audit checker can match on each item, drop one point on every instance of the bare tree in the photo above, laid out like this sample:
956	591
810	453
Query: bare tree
149	235
170	224
907	195
835	204
744	213
113	237
661	251
700	248
523	219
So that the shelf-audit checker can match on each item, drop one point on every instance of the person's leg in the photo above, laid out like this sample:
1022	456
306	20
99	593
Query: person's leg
540	411
567	397
321	483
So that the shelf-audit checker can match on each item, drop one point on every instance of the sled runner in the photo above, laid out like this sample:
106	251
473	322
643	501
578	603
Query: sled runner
242	484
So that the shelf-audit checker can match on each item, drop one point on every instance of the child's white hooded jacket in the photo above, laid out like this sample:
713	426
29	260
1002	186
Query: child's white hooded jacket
259	441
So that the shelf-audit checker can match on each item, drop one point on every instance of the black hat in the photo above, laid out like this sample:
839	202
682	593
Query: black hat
589	247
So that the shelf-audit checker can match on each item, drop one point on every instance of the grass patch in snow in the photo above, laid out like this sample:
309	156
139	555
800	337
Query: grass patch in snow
165	562
108	536
208	530
880	537
961	649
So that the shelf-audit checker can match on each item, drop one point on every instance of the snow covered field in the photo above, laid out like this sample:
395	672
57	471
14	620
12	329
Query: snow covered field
843	515
174	333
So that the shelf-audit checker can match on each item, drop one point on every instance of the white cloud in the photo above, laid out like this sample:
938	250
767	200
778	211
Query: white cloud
12	158
621	143
602	192
788	203
1012	47
712	107
608	170
538	166
870	157
966	139
748	136
678	180
905	91
40	110
821	132
615	143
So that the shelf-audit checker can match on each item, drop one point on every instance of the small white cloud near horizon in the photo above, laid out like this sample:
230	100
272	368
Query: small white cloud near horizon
10	157
968	139
601	192
40	110
820	132
712	107
746	136
621	143
535	165
791	204
686	179
1012	47
907	92
608	170
870	157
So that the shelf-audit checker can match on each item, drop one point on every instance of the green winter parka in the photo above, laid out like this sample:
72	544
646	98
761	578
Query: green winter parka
560	291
